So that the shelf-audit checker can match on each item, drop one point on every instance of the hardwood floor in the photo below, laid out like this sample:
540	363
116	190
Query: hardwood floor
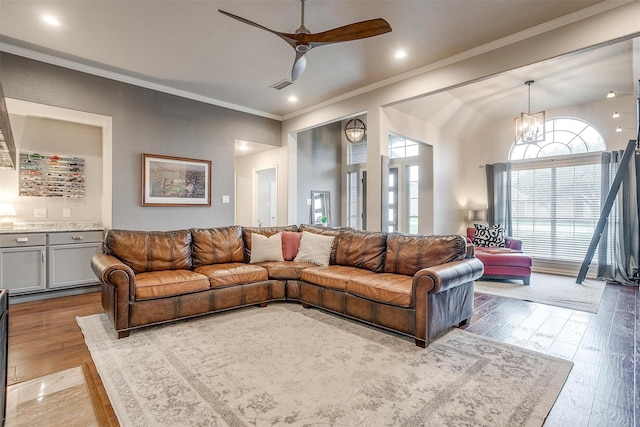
44	338
605	347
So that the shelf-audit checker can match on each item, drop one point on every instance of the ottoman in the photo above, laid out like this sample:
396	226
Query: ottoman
504	264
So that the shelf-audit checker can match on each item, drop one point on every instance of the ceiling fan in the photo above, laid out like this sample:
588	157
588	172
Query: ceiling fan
302	40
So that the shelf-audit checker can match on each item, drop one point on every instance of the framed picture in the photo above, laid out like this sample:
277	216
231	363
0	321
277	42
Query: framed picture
175	181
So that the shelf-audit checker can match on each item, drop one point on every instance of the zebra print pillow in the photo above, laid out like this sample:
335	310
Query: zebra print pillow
492	236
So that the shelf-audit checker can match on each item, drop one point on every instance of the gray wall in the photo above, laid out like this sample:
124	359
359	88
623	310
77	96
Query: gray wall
146	121
319	166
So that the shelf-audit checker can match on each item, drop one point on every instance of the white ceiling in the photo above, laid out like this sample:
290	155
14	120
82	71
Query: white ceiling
188	48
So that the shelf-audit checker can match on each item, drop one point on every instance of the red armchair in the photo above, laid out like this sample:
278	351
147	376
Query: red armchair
503	263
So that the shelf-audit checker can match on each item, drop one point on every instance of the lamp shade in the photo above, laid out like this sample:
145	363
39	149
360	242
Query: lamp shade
7	209
477	215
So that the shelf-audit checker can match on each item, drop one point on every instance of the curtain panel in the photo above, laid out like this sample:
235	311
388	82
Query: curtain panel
499	195
619	246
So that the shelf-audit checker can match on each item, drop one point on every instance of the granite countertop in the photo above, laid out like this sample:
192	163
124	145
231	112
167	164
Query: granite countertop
52	227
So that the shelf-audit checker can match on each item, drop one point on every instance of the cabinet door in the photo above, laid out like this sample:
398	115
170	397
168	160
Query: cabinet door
22	269
70	265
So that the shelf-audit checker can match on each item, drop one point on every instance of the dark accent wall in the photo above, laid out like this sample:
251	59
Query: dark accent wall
319	166
146	121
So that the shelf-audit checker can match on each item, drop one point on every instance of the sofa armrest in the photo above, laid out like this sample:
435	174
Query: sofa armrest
513	243
442	277
118	284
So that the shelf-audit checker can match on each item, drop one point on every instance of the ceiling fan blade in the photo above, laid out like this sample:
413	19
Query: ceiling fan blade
355	31
286	37
298	66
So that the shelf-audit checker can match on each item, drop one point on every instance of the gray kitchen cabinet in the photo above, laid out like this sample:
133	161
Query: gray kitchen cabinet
23	262
37	262
69	258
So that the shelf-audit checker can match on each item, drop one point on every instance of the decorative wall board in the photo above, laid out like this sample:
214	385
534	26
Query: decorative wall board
48	175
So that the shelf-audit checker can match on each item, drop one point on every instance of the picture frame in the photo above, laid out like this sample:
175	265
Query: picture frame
175	181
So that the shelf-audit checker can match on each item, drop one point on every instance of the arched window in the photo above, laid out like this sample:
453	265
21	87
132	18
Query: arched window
563	136
556	190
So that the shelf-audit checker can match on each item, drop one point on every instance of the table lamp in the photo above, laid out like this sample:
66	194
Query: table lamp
6	211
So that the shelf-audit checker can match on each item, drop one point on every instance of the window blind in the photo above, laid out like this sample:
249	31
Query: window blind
556	206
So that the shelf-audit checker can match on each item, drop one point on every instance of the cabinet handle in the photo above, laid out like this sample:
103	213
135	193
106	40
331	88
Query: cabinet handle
42	256
76	237
22	239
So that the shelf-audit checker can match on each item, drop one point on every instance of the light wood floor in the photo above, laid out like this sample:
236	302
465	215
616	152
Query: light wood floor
601	390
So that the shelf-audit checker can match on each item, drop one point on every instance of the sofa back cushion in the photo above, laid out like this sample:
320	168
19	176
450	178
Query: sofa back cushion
217	245
265	231
145	251
407	254
333	232
362	249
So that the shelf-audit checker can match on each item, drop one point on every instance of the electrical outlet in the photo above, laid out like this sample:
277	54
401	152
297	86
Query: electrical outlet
308	202
40	213
225	199
66	212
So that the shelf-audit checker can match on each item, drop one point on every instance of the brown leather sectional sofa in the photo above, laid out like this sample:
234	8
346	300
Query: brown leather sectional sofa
417	285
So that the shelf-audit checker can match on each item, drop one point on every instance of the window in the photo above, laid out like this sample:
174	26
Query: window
401	147
403	184
556	190
357	152
352	200
393	199
412	184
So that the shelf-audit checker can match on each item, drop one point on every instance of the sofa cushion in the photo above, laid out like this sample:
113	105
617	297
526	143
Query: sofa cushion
290	244
362	249
145	251
315	248
233	273
167	283
265	248
387	288
332	276
493	236
265	231
217	245
334	232
285	270
407	254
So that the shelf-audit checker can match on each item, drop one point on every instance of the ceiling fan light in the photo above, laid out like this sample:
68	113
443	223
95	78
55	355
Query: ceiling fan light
355	130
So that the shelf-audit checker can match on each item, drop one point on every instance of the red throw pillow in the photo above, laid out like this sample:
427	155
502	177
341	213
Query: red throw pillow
290	244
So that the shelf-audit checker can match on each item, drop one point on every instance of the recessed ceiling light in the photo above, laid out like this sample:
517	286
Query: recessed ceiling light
400	54
293	99
51	20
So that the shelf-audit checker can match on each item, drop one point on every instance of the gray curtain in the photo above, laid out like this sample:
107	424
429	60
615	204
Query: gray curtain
619	246
499	195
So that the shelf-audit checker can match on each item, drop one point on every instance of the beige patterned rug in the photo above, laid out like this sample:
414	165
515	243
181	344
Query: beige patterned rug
284	365
550	289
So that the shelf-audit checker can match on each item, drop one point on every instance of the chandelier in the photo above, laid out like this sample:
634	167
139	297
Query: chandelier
355	130
530	127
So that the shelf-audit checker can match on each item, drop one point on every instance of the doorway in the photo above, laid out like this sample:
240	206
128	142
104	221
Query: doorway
266	197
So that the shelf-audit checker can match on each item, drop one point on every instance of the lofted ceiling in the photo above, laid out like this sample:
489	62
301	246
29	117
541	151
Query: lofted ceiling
188	48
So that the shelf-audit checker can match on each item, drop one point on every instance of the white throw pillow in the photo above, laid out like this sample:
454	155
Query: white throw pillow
314	248
265	248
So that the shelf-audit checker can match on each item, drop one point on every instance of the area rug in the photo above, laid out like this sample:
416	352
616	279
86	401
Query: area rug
559	291
285	365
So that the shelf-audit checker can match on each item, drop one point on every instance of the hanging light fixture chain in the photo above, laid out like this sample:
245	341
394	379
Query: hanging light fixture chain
529	83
